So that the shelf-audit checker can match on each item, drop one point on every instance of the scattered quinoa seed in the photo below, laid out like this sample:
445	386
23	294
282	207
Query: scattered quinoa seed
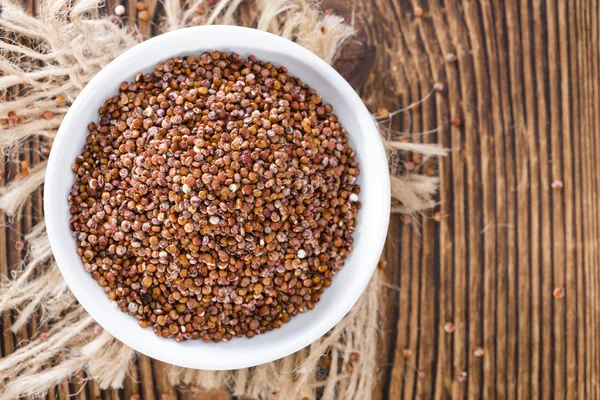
557	185
140	5
119	10
437	216
48	114
354	356
478	352
450	57
455	121
449	327
144	15
418	11
421	375
19	245
438	87
407	353
24	167
462	377
559	292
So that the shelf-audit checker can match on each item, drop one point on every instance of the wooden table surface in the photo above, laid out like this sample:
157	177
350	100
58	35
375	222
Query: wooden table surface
526	88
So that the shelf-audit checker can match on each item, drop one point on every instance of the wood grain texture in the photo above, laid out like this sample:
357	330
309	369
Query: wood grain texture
526	88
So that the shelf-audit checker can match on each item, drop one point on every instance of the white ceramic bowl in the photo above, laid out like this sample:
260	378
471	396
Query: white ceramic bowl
369	236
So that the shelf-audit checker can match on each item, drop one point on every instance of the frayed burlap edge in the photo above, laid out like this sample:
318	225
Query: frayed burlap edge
67	44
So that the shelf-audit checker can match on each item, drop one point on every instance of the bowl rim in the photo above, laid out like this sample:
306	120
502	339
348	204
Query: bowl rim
55	235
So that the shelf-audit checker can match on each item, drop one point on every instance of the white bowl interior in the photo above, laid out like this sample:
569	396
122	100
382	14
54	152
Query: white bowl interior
368	238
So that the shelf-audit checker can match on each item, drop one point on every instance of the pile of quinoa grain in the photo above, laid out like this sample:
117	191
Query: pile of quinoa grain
215	197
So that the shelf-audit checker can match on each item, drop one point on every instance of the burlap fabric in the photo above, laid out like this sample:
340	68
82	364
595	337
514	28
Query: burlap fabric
46	61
